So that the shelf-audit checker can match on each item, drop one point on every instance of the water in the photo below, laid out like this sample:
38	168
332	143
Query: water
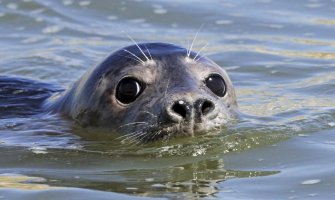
279	54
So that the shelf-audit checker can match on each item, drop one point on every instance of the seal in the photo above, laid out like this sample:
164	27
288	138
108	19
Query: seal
150	91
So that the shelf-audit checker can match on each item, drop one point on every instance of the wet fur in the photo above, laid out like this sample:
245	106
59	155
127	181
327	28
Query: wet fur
170	73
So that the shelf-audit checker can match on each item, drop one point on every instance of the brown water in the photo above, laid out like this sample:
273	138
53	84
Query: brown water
279	54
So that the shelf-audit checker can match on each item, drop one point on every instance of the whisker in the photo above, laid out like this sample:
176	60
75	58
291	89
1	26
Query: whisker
155	134
134	135
130	135
138	47
138	59
138	138
153	115
135	59
198	53
148	51
195	37
138	142
200	56
133	123
188	47
124	136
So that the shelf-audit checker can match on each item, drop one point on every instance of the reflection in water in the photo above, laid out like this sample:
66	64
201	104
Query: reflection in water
195	179
16	181
326	21
320	55
279	54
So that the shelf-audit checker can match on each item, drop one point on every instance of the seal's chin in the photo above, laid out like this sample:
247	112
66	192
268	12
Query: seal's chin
164	132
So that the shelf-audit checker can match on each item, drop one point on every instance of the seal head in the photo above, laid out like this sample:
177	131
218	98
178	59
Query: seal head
150	91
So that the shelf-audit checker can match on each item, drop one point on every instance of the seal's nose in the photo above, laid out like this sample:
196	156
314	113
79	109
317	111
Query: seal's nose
183	110
203	107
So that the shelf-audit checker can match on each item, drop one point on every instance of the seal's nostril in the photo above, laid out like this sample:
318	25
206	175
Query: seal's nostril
207	107
180	109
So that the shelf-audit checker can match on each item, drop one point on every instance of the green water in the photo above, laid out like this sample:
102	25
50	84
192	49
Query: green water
279	55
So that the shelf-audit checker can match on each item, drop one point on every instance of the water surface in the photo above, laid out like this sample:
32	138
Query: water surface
279	55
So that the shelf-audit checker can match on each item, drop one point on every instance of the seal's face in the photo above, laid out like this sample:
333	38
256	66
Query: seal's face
153	91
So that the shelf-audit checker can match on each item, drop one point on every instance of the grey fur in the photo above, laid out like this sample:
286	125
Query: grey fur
170	73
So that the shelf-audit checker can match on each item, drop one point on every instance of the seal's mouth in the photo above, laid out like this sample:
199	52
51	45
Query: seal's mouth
166	132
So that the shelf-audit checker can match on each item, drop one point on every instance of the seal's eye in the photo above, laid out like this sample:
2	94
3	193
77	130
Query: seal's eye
128	90
216	84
